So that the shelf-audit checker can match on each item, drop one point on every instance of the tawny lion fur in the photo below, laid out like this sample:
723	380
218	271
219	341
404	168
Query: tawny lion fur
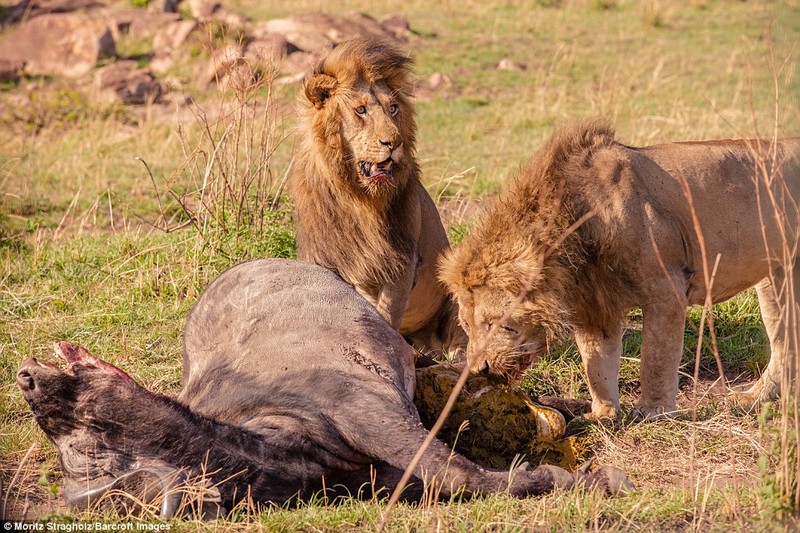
362	211
525	281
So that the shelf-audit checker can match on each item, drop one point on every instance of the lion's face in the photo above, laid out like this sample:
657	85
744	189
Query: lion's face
370	130
511	305
502	338
357	103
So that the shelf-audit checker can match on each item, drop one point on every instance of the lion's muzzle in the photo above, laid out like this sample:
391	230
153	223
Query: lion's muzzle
371	171
381	172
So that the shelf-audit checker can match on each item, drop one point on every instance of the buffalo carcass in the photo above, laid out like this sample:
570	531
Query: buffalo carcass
293	385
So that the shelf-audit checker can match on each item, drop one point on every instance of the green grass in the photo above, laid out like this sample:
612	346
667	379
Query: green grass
80	260
694	77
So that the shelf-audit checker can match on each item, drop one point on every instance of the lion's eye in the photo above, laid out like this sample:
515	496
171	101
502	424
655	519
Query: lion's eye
508	329
361	110
393	109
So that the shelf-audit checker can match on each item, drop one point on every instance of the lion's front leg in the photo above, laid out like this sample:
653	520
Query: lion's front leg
662	348
393	298
601	352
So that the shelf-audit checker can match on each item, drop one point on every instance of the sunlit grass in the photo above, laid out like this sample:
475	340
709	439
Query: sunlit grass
80	259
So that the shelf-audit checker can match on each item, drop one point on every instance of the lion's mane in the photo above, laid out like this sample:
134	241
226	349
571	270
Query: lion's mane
324	187
513	247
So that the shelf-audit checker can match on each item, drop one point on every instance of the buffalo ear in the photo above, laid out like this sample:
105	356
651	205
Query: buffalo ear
319	88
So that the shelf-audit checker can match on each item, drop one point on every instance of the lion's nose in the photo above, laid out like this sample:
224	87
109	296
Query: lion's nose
396	151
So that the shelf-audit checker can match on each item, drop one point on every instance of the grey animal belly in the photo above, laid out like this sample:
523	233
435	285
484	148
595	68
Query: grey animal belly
267	317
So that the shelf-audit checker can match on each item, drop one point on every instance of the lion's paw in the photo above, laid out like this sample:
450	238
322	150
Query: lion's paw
746	401
602	411
749	400
658	412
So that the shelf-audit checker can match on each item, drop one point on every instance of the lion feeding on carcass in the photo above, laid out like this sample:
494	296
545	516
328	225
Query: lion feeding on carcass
362	211
293	387
591	228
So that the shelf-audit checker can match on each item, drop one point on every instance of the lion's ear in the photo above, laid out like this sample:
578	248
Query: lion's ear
319	88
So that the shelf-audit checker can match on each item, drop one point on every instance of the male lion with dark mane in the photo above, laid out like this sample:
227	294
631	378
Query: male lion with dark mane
362	211
591	228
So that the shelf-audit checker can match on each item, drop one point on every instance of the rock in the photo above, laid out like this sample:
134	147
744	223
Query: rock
224	62
202	9
298	32
205	10
28	9
161	62
289	79
239	77
361	24
299	63
438	81
317	32
163	6
425	88
59	44
502	423
136	22
125	82
232	19
173	36
10	69
144	24
396	24
267	52
507	64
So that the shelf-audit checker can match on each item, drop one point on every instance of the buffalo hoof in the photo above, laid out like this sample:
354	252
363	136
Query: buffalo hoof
611	480
144	485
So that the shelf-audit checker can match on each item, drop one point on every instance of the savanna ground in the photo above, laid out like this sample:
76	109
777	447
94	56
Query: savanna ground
85	256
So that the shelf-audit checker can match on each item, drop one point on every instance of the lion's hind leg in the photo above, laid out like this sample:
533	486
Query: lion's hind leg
779	300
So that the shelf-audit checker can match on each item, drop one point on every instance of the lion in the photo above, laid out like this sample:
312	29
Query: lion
591	228
361	209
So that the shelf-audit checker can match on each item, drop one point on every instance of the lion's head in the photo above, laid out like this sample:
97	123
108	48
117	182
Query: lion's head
357	104
514	276
510	300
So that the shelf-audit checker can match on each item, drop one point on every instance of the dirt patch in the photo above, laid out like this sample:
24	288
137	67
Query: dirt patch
715	447
25	492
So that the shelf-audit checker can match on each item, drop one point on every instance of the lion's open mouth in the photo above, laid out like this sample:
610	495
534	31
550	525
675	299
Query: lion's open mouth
513	364
376	171
530	354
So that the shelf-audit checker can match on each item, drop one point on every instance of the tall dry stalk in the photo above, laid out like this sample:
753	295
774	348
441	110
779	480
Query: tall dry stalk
227	186
783	198
782	193
465	371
